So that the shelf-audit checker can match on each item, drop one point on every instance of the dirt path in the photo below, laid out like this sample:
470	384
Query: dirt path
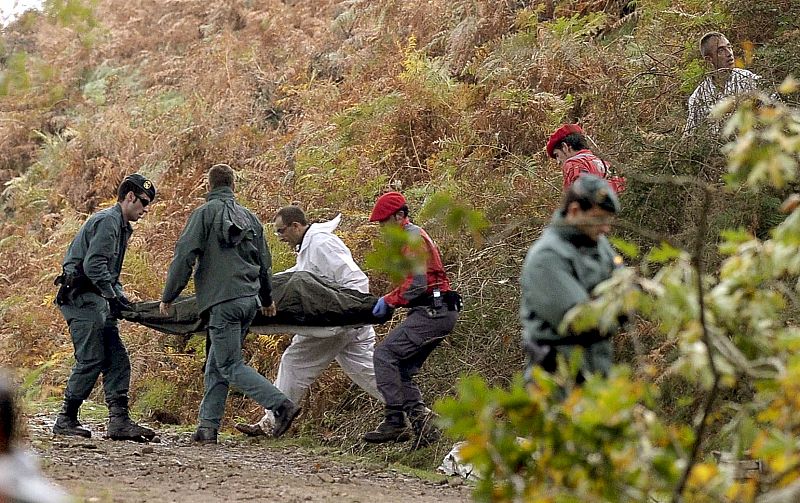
174	470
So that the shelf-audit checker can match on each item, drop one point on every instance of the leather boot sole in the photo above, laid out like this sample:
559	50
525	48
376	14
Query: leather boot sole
134	438
251	430
381	438
72	432
142	435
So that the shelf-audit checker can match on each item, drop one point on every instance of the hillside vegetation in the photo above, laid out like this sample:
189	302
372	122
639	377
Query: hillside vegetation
330	103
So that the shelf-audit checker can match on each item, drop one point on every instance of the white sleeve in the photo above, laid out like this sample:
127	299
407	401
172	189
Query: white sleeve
334	260
755	82
285	271
699	108
691	119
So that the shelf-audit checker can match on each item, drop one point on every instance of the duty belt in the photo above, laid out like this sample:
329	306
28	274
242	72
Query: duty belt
72	284
438	299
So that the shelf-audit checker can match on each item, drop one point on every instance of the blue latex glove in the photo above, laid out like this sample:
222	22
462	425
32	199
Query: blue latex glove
381	308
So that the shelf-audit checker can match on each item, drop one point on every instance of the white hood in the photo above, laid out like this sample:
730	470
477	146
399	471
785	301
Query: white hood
324	254
320	227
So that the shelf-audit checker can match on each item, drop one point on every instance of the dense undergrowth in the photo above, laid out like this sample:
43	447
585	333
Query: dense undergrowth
330	103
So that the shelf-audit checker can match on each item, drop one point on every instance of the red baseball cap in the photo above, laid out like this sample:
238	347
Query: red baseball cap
386	206
561	133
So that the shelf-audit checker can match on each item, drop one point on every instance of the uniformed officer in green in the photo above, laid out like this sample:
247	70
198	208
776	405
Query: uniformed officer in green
233	280
90	298
561	270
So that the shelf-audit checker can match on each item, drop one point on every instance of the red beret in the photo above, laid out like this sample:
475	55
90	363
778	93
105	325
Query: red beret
560	134
386	206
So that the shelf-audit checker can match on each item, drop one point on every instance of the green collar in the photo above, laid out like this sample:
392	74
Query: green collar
220	193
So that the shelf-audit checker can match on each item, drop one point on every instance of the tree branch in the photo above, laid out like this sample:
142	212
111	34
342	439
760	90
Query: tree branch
697	262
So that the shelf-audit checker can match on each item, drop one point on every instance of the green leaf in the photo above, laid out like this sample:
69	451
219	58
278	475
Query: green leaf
627	248
398	254
663	253
736	236
732	239
456	215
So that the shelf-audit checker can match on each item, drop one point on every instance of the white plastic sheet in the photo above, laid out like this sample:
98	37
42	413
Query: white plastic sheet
454	465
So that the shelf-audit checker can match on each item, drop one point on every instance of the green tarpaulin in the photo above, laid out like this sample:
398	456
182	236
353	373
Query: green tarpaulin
303	299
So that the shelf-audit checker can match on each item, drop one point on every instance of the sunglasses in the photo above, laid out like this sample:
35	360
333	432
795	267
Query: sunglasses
144	202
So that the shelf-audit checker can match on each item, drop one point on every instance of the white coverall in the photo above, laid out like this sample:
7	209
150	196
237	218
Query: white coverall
325	255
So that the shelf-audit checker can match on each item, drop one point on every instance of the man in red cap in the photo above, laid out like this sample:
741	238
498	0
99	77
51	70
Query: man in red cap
569	147
433	310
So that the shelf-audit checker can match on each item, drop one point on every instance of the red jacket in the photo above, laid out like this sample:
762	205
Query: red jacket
418	285
586	162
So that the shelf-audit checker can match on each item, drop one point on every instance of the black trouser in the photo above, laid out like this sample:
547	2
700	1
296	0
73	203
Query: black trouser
399	357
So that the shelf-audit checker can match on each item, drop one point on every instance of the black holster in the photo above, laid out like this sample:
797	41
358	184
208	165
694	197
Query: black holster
453	301
71	285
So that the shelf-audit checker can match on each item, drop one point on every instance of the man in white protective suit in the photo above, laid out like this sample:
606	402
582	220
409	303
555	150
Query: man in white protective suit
321	252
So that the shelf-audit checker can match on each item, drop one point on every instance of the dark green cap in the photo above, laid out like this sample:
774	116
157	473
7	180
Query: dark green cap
598	191
144	184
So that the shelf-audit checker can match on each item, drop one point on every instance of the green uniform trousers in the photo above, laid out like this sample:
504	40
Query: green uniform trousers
98	349
227	327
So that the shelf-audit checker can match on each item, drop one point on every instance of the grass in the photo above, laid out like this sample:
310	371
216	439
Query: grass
93	411
31	383
430	476
156	393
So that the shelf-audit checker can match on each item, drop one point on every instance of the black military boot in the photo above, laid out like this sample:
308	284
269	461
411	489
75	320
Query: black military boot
423	422
67	421
205	435
394	428
284	415
122	427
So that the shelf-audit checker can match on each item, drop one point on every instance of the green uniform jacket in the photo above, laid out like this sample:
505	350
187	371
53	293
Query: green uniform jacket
98	249
227	268
561	270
